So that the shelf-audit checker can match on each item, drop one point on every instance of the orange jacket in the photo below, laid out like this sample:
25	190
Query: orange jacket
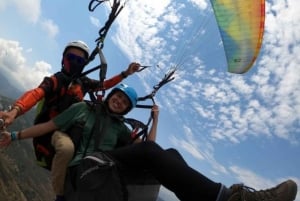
48	90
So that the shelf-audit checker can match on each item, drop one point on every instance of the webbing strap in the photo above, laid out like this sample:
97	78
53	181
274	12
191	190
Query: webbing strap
115	11
91	7
99	128
136	125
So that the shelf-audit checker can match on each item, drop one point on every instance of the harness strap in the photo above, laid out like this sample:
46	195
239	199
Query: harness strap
99	129
94	7
102	131
115	11
136	125
95	129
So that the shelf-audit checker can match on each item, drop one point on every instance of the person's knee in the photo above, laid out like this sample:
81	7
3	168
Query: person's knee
175	153
67	150
151	148
151	145
63	144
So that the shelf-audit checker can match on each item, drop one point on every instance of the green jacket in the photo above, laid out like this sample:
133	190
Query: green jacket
115	129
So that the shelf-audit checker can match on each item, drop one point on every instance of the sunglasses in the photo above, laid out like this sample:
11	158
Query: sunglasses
74	57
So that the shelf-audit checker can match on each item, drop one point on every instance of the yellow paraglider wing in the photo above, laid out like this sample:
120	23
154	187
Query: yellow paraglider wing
241	25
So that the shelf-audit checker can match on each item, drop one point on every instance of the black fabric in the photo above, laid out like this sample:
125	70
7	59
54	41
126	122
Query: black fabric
100	130
72	68
44	151
94	180
169	168
56	101
97	176
75	133
53	101
51	98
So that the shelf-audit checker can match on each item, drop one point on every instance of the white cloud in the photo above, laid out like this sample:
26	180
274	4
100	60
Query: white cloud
278	78
202	4
138	31
238	84
50	27
203	111
95	21
29	10
15	67
265	103
198	148
188	144
3	4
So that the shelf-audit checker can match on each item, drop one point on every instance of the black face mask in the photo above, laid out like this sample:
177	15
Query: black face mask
72	67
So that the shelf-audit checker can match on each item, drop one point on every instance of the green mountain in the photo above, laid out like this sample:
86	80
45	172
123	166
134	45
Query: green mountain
7	88
20	178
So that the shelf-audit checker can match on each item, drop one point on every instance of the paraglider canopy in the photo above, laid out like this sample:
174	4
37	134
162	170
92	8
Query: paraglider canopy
241	25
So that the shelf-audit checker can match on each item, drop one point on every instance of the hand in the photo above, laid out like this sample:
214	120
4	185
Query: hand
155	112
5	138
8	117
132	68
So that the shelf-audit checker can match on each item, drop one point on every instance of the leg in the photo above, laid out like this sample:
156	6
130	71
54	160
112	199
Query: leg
64	149
170	170
176	154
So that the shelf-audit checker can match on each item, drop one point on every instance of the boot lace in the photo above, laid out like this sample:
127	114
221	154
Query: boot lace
247	193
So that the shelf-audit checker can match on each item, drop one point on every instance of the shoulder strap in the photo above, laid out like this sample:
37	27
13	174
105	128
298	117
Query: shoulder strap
100	132
99	128
57	82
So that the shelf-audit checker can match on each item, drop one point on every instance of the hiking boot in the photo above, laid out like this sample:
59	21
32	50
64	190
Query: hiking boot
286	191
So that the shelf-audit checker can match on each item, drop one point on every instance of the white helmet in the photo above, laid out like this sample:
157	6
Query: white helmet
78	44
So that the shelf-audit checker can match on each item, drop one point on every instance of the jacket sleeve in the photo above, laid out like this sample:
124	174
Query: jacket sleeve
111	82
94	85
32	97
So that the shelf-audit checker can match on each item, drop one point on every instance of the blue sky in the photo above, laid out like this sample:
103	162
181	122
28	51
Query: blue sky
232	128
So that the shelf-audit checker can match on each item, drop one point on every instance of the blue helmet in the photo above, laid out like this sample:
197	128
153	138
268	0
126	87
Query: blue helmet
129	92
